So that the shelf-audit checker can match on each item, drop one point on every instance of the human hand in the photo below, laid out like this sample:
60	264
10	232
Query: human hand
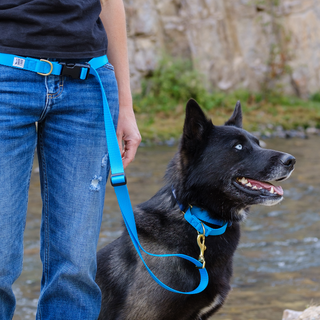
128	135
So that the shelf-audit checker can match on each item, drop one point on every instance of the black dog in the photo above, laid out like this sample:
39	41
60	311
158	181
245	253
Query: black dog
221	169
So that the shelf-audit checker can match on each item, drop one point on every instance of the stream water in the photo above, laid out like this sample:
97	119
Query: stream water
277	264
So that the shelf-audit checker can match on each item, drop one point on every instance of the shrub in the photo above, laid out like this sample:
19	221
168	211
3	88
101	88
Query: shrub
173	82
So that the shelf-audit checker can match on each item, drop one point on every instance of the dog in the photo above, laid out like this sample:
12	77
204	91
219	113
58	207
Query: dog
220	169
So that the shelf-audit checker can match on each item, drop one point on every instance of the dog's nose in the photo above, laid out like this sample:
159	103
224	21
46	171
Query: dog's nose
288	160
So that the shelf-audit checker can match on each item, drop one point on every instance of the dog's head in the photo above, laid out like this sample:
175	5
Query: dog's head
223	169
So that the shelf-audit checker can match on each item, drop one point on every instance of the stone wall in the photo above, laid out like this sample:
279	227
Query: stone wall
233	43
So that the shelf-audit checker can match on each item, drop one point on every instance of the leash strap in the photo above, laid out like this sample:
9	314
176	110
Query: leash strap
117	178
118	181
46	67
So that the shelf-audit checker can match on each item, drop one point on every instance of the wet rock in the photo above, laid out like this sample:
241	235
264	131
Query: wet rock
296	134
279	132
171	142
291	314
313	130
263	144
312	313
257	134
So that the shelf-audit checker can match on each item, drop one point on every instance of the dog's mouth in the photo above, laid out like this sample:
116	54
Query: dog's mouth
262	188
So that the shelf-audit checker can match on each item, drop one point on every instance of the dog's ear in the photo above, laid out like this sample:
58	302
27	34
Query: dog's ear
236	118
195	123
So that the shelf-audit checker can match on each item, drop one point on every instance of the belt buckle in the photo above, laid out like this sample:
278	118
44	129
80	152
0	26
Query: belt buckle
74	70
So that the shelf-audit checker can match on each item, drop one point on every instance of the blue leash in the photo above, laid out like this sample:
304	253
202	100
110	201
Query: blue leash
118	178
118	181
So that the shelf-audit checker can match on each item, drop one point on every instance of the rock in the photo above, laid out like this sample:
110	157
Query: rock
229	42
263	144
312	130
291	314
312	313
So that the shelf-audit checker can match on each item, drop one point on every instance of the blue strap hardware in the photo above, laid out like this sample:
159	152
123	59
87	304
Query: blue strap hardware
75	70
196	217
118	178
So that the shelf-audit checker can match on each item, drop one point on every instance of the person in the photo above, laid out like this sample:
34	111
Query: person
70	141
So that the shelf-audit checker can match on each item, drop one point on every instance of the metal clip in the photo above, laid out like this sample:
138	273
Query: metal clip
201	243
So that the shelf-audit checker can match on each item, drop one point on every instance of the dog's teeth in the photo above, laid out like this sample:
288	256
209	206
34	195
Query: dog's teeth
272	190
255	188
244	181
260	188
249	184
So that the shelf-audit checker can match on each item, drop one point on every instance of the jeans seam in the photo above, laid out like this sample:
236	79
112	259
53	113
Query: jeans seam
46	107
32	160
45	208
60	91
29	180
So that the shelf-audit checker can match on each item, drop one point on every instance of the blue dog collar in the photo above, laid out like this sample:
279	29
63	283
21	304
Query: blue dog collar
197	216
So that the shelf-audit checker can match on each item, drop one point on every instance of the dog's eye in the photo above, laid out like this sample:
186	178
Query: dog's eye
238	146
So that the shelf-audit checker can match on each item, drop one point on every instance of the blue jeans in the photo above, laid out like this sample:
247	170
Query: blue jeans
73	162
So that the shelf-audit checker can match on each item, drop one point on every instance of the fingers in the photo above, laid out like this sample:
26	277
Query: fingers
119	138
128	135
129	153
128	144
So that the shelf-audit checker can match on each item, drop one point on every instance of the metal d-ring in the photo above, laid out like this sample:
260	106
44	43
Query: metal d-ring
51	68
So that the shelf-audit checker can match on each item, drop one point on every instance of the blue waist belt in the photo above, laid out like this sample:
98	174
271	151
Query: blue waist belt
118	178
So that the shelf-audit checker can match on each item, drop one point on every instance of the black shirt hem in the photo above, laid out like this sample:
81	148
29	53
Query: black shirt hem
52	54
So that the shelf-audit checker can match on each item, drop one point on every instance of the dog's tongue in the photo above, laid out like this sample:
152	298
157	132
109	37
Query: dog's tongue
267	186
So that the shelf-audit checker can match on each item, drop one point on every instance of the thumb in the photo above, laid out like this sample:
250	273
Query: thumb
120	140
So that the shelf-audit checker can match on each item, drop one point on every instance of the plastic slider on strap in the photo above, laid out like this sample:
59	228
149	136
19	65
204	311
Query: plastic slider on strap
118	179
75	70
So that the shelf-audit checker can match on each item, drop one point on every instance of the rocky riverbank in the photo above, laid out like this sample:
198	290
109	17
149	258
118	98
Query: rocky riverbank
266	132
270	131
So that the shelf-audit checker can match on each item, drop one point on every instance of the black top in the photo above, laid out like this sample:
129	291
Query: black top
52	28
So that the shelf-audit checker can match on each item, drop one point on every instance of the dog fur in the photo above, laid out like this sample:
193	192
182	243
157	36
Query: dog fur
204	172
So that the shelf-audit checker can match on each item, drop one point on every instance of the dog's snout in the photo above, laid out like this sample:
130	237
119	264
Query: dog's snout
288	160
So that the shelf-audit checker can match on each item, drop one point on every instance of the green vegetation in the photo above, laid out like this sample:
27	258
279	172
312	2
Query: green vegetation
160	105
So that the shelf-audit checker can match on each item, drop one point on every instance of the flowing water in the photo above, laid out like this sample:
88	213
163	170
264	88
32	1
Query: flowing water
277	264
